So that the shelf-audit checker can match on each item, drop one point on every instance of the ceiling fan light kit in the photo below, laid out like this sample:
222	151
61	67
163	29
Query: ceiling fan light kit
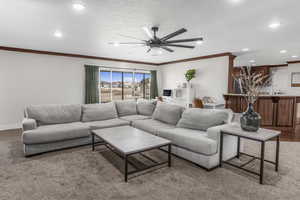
156	44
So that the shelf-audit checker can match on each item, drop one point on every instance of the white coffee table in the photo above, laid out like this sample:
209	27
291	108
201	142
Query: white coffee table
127	141
261	136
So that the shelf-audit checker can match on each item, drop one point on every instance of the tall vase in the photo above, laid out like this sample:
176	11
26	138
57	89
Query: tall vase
250	120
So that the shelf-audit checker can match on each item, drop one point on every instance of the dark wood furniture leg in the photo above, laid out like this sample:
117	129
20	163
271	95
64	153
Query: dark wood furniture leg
93	141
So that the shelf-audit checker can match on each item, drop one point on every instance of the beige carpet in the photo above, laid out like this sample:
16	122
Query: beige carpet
85	175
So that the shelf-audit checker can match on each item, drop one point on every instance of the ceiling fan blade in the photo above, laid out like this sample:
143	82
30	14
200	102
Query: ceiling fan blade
147	31
167	49
177	45
184	40
127	36
180	31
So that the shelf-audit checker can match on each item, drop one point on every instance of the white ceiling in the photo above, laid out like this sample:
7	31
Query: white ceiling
226	25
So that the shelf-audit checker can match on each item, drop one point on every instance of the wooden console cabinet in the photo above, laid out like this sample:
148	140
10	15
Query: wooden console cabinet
277	112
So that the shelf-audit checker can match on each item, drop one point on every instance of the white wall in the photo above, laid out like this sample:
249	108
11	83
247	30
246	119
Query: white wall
281	79
27	79
211	76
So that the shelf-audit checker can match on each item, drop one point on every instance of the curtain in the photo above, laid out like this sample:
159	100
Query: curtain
91	84
153	86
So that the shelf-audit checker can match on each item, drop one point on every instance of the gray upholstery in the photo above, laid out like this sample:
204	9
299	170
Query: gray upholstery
32	149
202	119
55	132
132	118
29	124
98	112
106	123
127	107
151	125
145	107
54	114
193	140
168	113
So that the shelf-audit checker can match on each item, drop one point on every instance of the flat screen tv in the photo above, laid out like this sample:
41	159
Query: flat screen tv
167	93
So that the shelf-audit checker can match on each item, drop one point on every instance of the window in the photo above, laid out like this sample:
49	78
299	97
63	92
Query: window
105	86
118	85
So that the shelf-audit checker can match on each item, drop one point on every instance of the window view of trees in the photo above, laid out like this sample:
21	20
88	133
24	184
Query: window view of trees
118	85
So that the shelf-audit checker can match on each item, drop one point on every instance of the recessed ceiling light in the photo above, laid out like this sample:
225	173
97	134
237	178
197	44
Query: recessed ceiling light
245	49
252	61
78	6
58	34
116	44
295	56
199	42
274	25
283	51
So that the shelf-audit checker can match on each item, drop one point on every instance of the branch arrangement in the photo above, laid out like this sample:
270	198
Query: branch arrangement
251	83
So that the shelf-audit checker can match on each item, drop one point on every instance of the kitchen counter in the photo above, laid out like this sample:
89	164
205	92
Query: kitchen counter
280	112
267	95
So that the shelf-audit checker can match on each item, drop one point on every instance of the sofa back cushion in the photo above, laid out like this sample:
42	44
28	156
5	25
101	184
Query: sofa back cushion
168	113
202	119
126	107
99	112
54	114
146	107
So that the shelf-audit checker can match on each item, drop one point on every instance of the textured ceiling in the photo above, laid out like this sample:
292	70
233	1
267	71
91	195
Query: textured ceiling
226	25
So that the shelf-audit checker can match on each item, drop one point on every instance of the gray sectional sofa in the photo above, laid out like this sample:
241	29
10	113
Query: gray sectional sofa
194	132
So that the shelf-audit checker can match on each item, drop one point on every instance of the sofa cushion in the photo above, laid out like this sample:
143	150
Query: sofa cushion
55	132
98	112
132	118
54	114
168	113
126	107
193	140
106	123
145	107
151	125
202	119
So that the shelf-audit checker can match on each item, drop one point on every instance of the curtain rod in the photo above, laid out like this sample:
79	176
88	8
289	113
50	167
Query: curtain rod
124	68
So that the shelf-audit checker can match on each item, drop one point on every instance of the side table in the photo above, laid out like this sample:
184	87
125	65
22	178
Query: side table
261	136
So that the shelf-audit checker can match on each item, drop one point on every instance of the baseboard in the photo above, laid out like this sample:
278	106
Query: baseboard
7	127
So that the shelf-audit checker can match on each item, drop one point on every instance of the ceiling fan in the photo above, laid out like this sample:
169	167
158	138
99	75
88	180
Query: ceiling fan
164	43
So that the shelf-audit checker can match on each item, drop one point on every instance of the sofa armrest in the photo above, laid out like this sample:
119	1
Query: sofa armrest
214	132
29	124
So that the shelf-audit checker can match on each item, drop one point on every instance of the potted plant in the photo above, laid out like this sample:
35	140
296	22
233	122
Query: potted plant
190	74
251	84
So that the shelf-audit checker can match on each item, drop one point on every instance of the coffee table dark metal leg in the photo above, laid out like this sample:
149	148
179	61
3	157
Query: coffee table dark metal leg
221	149
277	153
238	147
262	158
169	155
93	141
126	168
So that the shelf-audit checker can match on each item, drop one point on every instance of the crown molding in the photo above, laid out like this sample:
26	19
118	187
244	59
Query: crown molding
293	62
72	55
198	58
52	53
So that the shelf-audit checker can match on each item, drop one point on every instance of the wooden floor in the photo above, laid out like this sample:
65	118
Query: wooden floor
289	137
